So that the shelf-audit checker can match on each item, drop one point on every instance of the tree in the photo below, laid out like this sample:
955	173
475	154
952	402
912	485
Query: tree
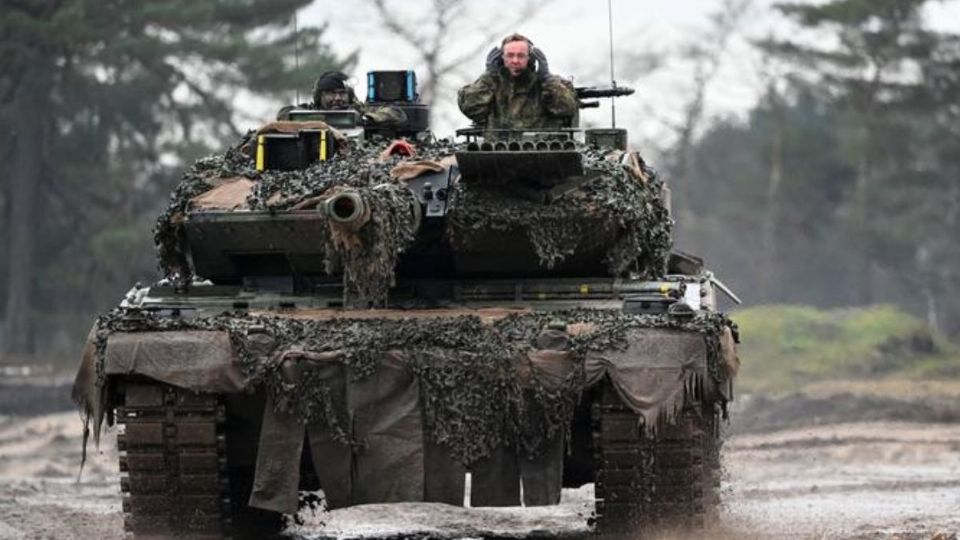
868	72
792	137
841	186
706	54
99	95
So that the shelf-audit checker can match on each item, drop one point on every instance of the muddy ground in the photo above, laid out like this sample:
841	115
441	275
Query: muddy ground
836	466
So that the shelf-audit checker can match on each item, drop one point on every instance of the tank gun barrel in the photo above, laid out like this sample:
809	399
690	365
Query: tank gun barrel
350	210
347	209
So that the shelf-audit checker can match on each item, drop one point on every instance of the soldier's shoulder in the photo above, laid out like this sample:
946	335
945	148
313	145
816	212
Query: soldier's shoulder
558	82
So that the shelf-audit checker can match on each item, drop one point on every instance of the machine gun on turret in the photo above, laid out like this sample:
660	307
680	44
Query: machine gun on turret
596	92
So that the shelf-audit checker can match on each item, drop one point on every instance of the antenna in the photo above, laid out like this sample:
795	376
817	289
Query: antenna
296	51
613	80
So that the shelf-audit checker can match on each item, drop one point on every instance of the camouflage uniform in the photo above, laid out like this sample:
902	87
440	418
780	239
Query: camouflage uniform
498	100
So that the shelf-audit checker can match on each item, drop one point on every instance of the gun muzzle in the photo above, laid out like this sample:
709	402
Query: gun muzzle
347	209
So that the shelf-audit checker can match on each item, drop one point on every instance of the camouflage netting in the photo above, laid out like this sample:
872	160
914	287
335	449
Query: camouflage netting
616	209
366	257
473	397
201	177
619	209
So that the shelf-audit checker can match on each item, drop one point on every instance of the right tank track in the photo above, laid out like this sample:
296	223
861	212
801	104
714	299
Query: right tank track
646	482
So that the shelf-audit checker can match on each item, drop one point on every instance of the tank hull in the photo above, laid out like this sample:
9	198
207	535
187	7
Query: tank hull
636	415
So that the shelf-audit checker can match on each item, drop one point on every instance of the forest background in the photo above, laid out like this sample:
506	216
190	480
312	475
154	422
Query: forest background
813	148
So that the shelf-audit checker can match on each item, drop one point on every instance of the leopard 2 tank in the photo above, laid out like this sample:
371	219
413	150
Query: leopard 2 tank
378	315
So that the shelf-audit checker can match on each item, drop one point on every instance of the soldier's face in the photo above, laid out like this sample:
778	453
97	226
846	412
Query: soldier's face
334	99
516	57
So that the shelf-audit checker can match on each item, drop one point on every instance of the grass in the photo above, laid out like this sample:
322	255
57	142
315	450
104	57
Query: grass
786	348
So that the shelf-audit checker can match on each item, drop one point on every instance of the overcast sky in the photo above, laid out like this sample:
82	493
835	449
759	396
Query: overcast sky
574	36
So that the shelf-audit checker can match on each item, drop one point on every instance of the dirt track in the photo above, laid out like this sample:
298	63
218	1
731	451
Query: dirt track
852	480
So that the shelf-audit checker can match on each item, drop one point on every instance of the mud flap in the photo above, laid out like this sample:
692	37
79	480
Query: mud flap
542	476
388	463
275	482
332	459
392	459
495	479
444	477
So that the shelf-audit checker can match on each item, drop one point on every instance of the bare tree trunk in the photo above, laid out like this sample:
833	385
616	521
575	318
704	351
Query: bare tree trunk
681	170
770	252
26	174
863	264
706	54
428	33
941	315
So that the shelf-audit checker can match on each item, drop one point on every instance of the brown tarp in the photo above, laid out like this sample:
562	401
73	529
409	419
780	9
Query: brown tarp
408	170
542	475
388	430
731	362
229	195
86	393
652	374
277	473
198	360
497	479
390	458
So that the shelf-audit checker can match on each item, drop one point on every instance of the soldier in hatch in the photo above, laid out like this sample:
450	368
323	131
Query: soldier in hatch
517	91
331	93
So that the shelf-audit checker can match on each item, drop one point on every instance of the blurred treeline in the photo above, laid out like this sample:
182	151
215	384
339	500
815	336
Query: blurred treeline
842	185
101	104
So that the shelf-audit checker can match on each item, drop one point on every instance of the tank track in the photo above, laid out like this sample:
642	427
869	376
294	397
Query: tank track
173	466
645	483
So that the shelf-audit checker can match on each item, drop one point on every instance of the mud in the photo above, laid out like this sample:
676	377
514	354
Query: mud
857	480
35	397
765	414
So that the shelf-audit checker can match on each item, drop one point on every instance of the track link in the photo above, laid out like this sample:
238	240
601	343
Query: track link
174	474
648	483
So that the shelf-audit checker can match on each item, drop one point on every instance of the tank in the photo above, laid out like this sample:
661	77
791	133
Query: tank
376	314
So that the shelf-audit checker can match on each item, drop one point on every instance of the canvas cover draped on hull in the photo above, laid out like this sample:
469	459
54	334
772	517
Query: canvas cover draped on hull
382	446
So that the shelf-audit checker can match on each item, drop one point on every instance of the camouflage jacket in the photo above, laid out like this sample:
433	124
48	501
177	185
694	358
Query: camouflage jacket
501	101
373	115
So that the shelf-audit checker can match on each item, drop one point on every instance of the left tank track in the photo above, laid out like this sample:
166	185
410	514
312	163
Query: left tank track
174	475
